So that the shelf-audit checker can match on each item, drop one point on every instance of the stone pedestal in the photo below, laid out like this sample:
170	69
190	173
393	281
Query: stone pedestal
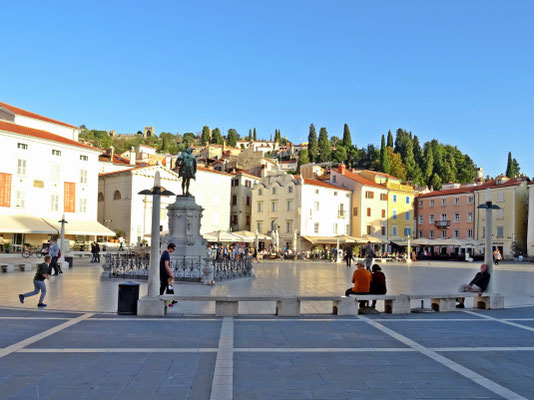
189	261
150	307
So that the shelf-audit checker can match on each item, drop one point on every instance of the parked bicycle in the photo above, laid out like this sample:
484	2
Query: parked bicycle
29	250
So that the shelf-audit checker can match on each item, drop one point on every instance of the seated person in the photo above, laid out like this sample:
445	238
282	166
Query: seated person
378	283
478	284
362	282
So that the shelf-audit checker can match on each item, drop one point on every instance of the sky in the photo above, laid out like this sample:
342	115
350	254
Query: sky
458	71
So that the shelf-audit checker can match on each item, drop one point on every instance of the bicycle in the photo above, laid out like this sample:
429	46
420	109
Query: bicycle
28	251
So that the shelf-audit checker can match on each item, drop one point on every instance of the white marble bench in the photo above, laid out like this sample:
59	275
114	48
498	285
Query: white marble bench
5	267
447	301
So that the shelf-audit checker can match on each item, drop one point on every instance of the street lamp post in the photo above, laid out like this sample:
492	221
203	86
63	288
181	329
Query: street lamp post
409	251
153	275
488	251
62	240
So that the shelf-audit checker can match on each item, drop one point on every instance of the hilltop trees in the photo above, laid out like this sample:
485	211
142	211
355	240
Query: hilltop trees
312	143
347	140
384	160
216	136
512	167
324	148
231	138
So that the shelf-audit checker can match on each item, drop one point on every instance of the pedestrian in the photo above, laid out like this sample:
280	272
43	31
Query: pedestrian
369	255
53	251
165	271
378	283
348	256
362	282
121	243
2	243
38	282
97	252
93	252
478	284
497	256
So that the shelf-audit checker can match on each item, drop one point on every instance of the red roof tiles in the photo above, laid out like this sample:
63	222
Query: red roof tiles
360	179
29	114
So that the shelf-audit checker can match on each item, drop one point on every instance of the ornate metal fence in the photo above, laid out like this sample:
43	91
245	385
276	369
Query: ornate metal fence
128	265
232	269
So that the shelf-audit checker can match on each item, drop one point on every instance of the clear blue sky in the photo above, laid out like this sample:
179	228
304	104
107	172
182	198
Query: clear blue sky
459	71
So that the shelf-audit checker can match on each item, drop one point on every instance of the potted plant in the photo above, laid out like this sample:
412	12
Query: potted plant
7	247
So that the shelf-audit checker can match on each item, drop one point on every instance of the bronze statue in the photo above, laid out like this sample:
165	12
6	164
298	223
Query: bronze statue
187	164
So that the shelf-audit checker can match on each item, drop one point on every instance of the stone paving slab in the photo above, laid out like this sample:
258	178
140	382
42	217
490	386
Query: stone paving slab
13	331
512	369
106	376
310	334
343	376
520	312
135	334
425	315
13	312
463	333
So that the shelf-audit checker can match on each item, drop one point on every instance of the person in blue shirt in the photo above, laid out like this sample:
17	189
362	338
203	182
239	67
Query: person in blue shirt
53	252
165	271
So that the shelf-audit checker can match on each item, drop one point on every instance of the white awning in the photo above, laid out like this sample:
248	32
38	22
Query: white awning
81	227
221	236
24	223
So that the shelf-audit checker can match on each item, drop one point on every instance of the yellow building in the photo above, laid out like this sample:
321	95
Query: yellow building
400	200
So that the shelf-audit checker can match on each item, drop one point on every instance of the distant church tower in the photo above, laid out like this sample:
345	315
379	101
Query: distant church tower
148	132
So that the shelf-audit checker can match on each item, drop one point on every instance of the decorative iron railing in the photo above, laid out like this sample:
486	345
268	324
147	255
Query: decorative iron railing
224	269
128	265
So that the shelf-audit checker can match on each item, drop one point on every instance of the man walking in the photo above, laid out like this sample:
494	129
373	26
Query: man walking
348	256
38	282
165	271
53	252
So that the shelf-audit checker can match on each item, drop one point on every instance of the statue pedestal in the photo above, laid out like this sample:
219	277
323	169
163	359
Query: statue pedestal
190	261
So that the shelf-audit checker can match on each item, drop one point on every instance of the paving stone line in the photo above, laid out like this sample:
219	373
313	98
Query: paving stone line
502	321
35	338
119	350
460	369
222	387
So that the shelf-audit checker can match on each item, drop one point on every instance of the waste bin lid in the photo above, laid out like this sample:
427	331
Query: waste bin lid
130	283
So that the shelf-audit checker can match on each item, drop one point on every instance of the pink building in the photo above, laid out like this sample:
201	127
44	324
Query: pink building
446	214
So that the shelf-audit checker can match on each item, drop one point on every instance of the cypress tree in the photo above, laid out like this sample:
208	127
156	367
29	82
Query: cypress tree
384	160
347	140
390	139
428	165
312	144
231	137
324	147
255	138
510	166
205	138
249	135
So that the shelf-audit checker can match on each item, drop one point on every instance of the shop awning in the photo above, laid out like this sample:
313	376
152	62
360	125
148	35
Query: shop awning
221	236
81	227
249	237
24	224
367	238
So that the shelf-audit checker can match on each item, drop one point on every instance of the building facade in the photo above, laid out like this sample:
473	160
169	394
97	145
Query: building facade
241	201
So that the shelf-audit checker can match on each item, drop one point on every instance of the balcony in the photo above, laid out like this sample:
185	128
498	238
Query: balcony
445	224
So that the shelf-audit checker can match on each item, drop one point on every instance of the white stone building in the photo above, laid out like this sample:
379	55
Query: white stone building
241	200
120	206
45	174
316	211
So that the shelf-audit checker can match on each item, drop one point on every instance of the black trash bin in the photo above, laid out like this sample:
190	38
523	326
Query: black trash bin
128	297
70	261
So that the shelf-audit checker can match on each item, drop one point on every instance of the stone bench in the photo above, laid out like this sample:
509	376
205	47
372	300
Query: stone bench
227	306
24	267
5	267
447	301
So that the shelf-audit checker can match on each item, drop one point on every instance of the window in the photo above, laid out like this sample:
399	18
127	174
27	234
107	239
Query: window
235	182
444	202
316	191
407	231
117	195
456	217
431	219
500	197
20	199
248	183
56	153
444	234
288	227
54	172
83	176
383	230
456	233
274	190
431	234
383	213
290	189
470	200
317	206
233	219
469	217
247	201
260	192
258	227
420	203
247	219
420	219
260	206
394	198
316	227
369	229
335	193
431	203
84	158
335	229
483	232
273	206
469	233
341	211
444	217
383	196
234	200
289	205
420	234
54	202
100	196
394	214
334	179
82	205
500	232
407	215
354	211
407	199
21	167
369	194
22	146
347	229
394	230
368	211
456	201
